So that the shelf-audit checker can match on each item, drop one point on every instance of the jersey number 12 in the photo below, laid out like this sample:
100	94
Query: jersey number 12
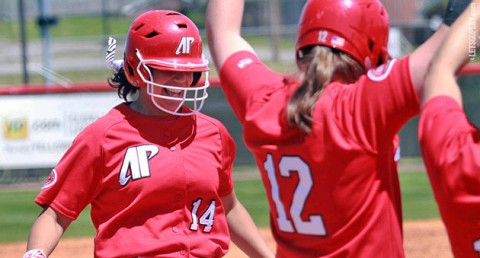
288	164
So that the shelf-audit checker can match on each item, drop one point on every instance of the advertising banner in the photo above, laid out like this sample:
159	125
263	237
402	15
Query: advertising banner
36	130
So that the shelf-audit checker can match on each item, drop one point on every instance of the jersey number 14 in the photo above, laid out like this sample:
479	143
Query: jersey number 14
207	217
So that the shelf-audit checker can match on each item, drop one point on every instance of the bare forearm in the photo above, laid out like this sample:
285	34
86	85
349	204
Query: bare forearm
245	234
225	16
46	232
243	230
453	54
223	27
420	59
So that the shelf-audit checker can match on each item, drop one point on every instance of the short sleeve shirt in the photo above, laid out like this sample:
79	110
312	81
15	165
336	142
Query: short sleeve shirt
451	152
334	192
154	186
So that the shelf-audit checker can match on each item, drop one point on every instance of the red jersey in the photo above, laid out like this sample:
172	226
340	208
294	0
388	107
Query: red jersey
154	186
334	192
451	152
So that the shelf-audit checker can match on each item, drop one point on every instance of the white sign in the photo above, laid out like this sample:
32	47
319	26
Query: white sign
36	130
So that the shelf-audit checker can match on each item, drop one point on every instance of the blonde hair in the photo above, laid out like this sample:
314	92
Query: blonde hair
319	66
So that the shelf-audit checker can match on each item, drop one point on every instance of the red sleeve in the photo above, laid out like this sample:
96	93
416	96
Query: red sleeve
451	152
450	143
75	180
374	108
228	157
245	79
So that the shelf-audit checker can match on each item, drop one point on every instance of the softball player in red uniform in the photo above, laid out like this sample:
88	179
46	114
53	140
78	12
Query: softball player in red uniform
324	142
156	173
450	143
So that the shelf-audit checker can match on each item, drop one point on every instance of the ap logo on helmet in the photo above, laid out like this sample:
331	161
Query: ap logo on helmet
184	46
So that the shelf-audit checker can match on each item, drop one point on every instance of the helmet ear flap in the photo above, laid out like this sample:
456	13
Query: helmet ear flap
382	55
377	54
130	70
133	77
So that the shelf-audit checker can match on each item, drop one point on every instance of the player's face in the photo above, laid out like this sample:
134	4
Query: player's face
180	79
170	78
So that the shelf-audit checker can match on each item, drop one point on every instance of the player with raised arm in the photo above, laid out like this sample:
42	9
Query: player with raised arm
324	140
156	172
450	143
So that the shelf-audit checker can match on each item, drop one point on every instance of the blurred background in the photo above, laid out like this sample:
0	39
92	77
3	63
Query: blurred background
55	41
50	48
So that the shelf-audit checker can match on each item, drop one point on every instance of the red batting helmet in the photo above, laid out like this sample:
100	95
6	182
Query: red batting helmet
357	27
169	41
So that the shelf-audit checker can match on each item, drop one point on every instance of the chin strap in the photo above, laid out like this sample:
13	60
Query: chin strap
35	253
110	55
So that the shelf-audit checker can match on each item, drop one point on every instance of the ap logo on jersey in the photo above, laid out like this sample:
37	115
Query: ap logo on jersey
135	163
184	46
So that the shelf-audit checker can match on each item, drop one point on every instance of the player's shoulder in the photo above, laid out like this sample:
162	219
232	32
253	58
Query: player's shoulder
241	59
208	121
101	125
393	72
381	72
243	63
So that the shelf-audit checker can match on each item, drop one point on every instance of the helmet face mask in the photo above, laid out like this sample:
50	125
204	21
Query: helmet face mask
194	95
166	41
356	27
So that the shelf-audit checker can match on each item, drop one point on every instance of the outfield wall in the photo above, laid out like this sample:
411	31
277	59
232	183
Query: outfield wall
38	127
38	123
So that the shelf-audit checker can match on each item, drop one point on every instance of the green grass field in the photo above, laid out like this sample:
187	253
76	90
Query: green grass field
19	211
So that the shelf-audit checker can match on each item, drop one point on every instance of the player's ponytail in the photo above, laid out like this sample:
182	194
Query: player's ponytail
319	66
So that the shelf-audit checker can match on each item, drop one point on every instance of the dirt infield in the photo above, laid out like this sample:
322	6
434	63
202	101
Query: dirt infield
422	239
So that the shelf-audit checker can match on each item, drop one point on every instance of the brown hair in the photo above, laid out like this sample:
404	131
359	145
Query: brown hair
124	88
319	66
